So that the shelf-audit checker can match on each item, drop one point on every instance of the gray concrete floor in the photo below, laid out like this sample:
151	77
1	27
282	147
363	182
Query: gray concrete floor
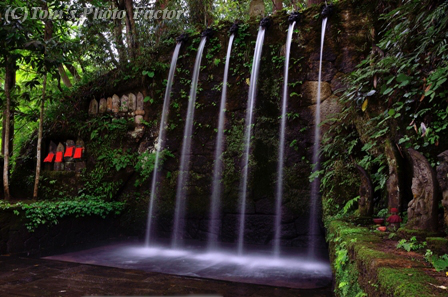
21	276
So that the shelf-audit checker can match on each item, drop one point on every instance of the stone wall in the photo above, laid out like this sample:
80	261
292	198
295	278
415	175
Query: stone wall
70	231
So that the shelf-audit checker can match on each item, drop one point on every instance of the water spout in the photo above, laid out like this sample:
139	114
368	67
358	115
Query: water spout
313	231
281	148
248	133
182	179
160	145
217	170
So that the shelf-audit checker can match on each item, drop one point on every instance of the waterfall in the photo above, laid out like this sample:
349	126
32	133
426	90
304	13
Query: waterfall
281	147
179	215
159	146
248	134
217	170
313	220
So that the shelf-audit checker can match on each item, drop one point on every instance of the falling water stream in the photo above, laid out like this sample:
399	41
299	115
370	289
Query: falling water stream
248	134
159	146
217	170
313	231
179	214
281	147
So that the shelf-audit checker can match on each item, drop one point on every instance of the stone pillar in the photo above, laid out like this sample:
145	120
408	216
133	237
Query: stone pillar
365	203
132	102
103	105
422	210
442	177
59	159
115	104
93	107
68	155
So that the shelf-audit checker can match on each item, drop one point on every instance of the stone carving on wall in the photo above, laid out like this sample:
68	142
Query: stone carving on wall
365	203
422	209
442	177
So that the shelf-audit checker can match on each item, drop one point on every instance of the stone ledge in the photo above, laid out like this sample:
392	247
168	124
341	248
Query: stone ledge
379	273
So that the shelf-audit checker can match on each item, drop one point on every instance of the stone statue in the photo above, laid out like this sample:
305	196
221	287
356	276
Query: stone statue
93	107
256	8
422	209
365	203
442	177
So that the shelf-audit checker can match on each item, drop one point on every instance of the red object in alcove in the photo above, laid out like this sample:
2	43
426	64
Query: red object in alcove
78	152
58	157
69	151
49	158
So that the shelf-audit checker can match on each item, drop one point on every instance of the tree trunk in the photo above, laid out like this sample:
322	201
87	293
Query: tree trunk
9	83
39	138
278	5
118	31
109	49
47	36
130	29
313	2
73	71
200	13
64	76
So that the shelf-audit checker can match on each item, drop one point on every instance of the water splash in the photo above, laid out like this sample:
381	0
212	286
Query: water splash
248	134
217	170
313	231
281	148
160	145
179	214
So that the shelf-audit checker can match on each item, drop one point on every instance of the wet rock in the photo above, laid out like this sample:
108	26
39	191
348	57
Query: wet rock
328	71
309	91
265	206
422	210
109	104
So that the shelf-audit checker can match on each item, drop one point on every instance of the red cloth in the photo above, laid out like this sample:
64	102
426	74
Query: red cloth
49	158
58	157
78	152
394	219
69	151
394	209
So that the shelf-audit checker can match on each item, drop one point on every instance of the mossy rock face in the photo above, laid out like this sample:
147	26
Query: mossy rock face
438	245
378	272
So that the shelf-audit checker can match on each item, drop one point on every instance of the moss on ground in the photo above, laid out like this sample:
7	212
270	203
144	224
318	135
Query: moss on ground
358	257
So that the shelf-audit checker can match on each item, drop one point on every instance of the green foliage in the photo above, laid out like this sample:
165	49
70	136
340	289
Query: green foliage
50	212
440	263
146	162
411	245
345	270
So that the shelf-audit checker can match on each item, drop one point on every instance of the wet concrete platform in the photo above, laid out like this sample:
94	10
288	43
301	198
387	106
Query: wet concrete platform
21	276
292	269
